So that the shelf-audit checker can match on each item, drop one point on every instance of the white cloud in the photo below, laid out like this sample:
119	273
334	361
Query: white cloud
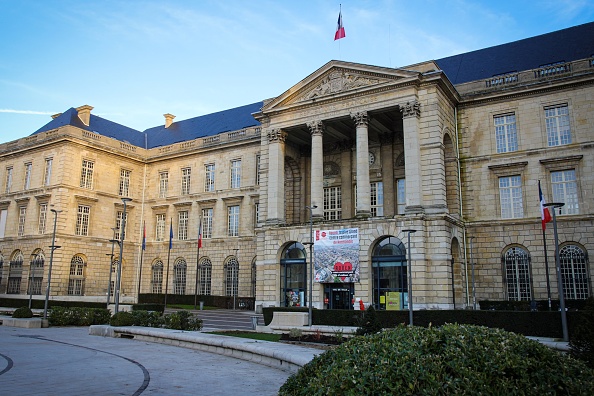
28	112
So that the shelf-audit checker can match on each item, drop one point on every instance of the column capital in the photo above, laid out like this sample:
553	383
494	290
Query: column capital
360	118
411	109
316	127
276	135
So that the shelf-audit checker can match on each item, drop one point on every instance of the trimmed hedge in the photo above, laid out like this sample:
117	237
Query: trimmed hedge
40	304
224	302
22	313
77	316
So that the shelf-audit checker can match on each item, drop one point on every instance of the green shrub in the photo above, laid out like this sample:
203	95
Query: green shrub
449	360
122	318
369	323
22	312
582	340
182	320
78	316
101	316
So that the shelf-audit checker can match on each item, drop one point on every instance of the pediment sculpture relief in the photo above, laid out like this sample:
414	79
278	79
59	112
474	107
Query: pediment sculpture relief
339	81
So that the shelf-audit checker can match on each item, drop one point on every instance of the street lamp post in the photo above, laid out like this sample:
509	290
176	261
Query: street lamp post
311	264
472	271
555	205
49	270
409	265
111	264
31	280
233	289
122	236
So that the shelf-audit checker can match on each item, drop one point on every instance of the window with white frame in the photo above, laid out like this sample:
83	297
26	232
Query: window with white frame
76	281
42	218
400	195
157	277
8	185
27	181
182	225
231	277
163	184
15	273
565	190
257	170
119	217
557	124
332	203
186	181
125	182
510	197
160	228
82	220
377	199
516	262
209	177
179	276
256	213
22	217
36	276
86	175
573	262
207	223
505	133
233	220
205	274
47	175
236	173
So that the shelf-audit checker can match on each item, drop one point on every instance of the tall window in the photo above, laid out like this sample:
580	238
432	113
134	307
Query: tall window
557	124
205	274
22	217
207	223
36	275
256	212
42	218
76	282
182	225
377	199
119	217
236	173
231	277
157	277
160	229
163	184
47	176
400	195
185	186
257	170
15	274
505	133
332	203
516	262
8	179
125	182
179	276
565	190
86	175
574	271
209	177
510	195
233	223
27	181
82	220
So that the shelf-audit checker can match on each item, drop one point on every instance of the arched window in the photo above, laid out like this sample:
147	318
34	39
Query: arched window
293	272
157	277
231	276
390	289
573	262
76	282
254	277
15	273
516	264
205	273
179	276
36	271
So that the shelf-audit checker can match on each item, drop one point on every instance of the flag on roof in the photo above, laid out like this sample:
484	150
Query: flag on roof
545	215
339	28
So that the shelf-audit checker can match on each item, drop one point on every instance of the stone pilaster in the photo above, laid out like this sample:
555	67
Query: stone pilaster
387	154
363	208
411	112
317	168
276	176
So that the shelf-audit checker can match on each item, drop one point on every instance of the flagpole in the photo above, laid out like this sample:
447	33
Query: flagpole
545	218
544	241
197	260
168	258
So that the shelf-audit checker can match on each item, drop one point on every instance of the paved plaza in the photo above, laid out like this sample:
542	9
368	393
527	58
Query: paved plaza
68	361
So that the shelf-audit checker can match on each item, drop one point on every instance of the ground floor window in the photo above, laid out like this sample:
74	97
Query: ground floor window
390	280
574	272
205	273
293	276
157	277
76	281
179	278
516	264
231	277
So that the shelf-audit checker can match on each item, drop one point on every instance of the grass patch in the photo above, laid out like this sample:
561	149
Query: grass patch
251	335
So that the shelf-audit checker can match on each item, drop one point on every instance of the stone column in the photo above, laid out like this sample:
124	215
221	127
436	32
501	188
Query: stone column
411	112
363	208
317	168
387	158
276	176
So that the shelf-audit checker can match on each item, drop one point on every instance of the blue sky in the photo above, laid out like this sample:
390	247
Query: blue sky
134	61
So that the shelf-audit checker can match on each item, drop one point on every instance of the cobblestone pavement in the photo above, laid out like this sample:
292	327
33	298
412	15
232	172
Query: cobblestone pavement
67	361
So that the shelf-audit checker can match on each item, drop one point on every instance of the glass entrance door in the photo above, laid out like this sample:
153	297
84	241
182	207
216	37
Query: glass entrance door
339	296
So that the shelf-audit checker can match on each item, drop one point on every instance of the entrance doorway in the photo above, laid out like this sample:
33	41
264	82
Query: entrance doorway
338	296
389	266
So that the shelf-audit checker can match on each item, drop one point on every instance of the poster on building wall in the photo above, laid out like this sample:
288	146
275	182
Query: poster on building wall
336	255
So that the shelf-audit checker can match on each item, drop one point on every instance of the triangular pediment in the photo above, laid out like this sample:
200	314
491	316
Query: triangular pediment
338	78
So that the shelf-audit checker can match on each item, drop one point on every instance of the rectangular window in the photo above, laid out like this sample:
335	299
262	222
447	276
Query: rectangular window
8	179
86	176
163	184
47	176
119	224
256	213
209	177
82	220
332	203
257	170
185	186
400	195
27	181
160	230
22	216
557	124
42	217
233	224
505	133
510	195
125	182
377	199
182	225
235	173
3	217
207	223
565	190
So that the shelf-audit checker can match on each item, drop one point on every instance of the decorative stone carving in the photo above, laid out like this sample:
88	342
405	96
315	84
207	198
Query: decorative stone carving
339	81
316	127
331	168
411	109
276	135
360	118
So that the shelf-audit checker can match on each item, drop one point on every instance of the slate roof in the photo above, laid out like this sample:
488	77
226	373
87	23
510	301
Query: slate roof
561	46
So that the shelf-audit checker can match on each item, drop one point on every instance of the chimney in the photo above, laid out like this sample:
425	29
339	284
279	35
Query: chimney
84	113
168	119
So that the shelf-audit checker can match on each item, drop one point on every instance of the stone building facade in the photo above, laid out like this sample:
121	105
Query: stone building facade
430	172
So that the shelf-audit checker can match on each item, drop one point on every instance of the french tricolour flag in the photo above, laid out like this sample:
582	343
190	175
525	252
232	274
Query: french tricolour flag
339	28
545	215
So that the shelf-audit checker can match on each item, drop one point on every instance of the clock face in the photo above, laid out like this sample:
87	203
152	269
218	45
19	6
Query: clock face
371	158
